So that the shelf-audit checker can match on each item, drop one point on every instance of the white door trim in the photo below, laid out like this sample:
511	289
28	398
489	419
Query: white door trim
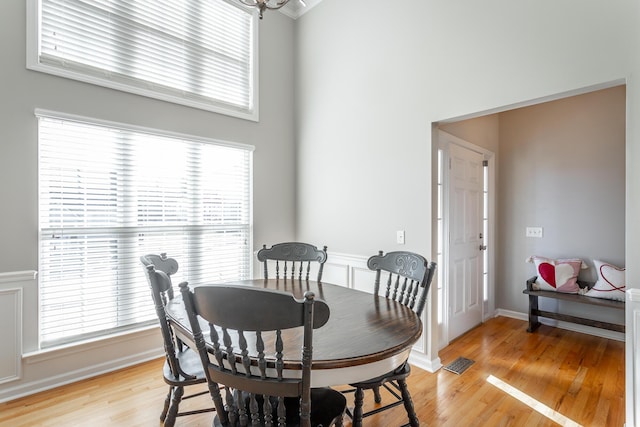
444	139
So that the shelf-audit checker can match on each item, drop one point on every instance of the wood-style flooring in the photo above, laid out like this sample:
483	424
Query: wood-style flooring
576	378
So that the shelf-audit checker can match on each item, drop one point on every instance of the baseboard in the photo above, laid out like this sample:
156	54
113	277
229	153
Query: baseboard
52	368
32	387
512	314
602	333
420	360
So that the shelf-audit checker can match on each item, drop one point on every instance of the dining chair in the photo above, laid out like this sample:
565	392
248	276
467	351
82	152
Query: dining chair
182	367
408	278
293	258
251	346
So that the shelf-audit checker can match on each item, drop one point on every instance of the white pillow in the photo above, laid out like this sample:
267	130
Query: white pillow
611	282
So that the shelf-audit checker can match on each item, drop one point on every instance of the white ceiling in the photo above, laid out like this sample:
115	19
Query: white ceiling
294	9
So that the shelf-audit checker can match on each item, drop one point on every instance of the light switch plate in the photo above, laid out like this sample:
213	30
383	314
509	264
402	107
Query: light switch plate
400	237
534	232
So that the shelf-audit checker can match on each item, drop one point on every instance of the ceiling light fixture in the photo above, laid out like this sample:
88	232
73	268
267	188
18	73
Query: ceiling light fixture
263	5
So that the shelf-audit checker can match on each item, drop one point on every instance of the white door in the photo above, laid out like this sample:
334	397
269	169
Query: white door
465	278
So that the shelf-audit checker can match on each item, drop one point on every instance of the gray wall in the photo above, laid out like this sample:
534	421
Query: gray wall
483	131
22	91
562	167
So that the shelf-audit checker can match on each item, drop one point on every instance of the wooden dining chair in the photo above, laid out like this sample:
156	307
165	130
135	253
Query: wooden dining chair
404	277
182	367
254	336
292	259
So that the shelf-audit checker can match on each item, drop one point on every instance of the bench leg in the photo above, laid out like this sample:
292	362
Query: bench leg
533	319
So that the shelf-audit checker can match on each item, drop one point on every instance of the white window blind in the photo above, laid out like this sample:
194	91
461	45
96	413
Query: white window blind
109	194
195	52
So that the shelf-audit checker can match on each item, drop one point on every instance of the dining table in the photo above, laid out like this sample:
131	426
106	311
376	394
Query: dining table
366	336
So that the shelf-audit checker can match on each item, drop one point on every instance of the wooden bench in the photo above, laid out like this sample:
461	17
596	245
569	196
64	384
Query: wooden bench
535	312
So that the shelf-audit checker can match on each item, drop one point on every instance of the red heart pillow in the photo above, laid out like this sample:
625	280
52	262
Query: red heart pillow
557	275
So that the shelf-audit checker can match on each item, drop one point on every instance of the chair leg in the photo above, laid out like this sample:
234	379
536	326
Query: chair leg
357	410
173	408
408	404
167	400
376	395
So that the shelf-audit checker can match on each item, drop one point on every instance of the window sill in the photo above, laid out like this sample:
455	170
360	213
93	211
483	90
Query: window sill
90	345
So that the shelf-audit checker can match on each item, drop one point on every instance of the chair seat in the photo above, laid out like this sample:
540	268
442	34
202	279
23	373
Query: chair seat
327	407
399	373
191	367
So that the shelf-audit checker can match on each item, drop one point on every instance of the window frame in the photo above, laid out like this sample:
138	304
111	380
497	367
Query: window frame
33	40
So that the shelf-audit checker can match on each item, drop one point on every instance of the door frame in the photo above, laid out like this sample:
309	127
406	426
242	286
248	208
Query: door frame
441	158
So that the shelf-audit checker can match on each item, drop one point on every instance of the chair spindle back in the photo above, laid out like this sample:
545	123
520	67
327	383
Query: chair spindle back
248	354
293	260
408	277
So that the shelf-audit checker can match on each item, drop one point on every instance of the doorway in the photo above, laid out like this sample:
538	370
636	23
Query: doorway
555	155
465	206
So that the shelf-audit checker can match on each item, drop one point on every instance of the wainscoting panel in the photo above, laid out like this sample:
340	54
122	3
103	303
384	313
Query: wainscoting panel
336	273
348	270
363	279
12	288
10	334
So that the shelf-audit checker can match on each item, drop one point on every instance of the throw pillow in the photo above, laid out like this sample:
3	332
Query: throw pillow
560	275
611	283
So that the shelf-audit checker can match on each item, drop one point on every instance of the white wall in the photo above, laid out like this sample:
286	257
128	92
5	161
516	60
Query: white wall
22	91
372	80
367	95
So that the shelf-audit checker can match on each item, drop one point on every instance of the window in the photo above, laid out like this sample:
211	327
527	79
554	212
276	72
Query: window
441	242
111	193
200	53
485	234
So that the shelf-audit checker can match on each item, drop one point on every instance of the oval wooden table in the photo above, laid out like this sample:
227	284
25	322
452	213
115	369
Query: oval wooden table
366	335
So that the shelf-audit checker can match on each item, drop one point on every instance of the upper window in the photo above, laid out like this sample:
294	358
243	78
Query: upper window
110	193
200	53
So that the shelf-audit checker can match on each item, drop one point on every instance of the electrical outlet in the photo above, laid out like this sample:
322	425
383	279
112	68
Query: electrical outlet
534	232
400	237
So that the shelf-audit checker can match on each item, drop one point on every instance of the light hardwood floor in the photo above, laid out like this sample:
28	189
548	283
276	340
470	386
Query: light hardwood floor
578	376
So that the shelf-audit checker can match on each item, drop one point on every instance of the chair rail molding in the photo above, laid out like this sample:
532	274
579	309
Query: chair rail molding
17	276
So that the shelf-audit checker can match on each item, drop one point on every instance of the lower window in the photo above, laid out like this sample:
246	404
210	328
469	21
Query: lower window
110	193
